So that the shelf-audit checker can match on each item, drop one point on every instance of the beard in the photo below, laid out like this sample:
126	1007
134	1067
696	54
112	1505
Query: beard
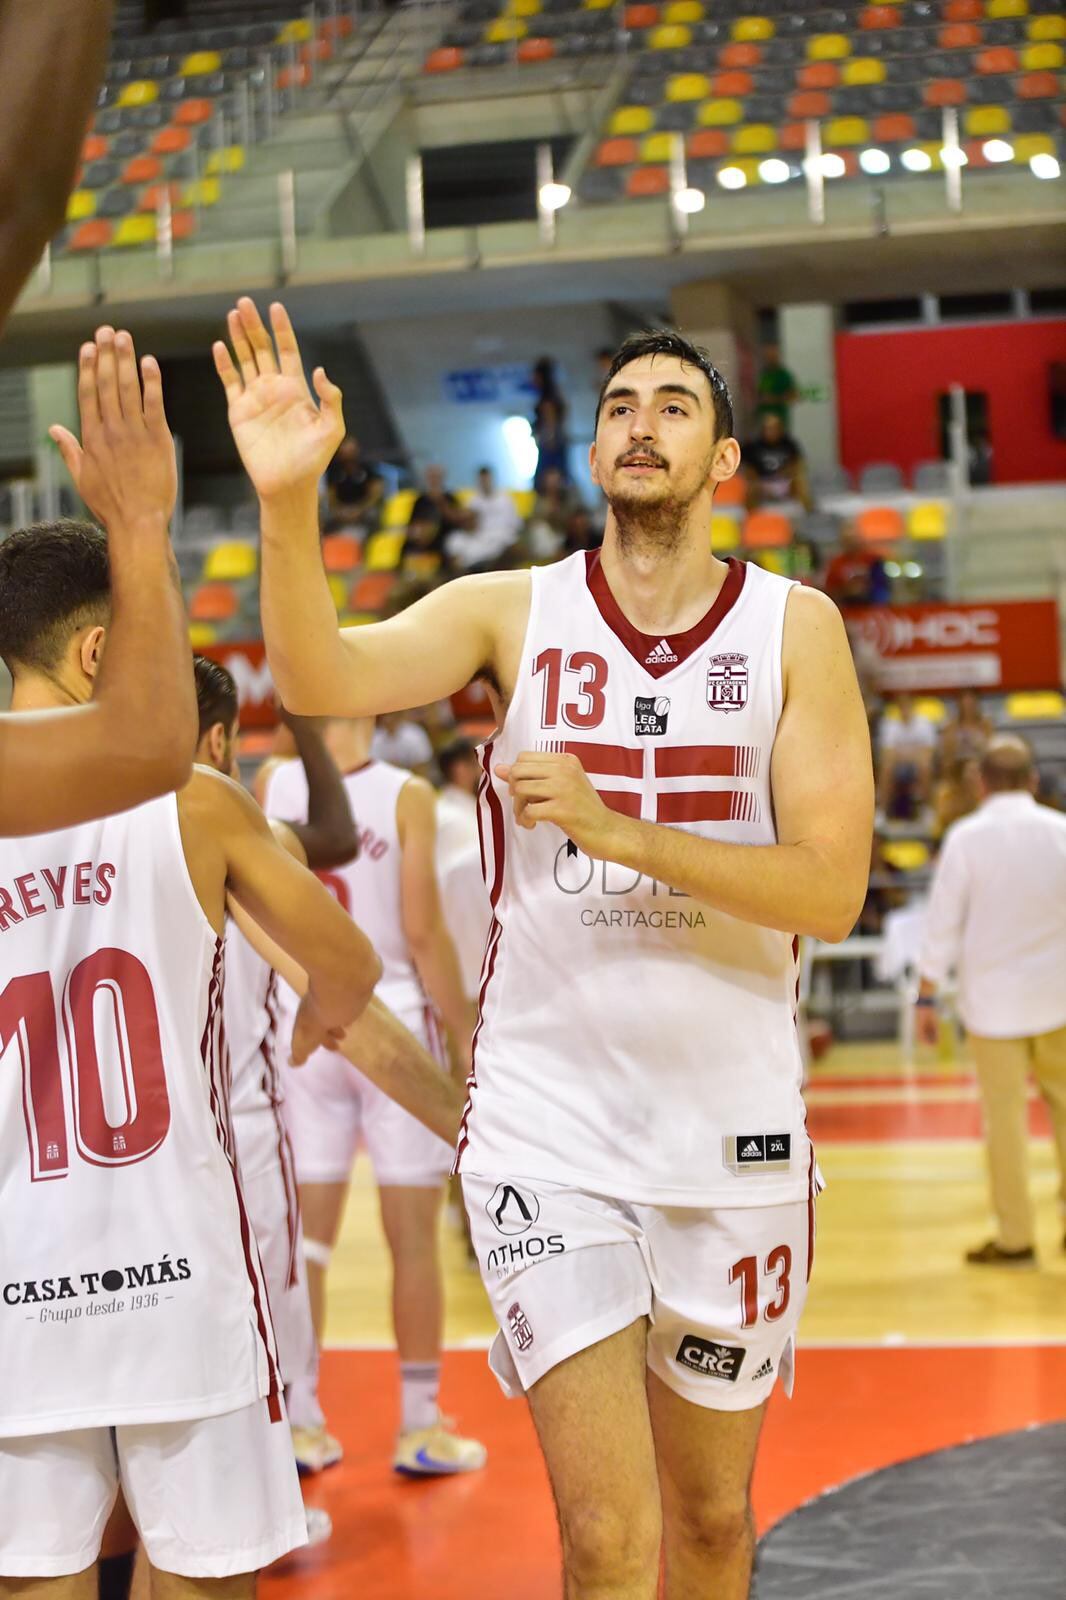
653	524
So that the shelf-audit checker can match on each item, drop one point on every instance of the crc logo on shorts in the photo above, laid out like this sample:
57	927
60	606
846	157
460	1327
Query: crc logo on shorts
757	1152
727	682
512	1210
722	1361
650	714
521	1332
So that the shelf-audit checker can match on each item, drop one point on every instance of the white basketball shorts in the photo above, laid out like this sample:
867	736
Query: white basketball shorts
209	1498
329	1105
722	1289
273	1211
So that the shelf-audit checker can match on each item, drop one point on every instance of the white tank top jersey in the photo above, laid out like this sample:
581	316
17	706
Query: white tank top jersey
632	1041
131	1285
369	887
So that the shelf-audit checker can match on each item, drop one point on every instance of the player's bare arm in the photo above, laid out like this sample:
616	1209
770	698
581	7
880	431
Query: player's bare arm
424	928
328	837
286	438
813	881
52	57
135	738
231	849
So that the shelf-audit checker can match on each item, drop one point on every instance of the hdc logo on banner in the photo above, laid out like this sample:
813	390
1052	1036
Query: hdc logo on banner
1013	644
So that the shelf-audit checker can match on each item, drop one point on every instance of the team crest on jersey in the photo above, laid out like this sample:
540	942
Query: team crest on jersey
727	682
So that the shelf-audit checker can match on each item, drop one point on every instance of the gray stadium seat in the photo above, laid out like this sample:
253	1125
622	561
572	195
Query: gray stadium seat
830	480
116	203
883	477
931	477
601	186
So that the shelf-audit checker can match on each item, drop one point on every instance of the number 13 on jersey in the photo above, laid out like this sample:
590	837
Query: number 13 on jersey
585	675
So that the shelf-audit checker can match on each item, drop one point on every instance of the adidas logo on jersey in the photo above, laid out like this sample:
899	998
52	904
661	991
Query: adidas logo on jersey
752	1151
765	1371
661	656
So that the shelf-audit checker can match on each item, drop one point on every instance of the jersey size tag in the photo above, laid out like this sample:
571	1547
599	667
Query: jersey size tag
747	1154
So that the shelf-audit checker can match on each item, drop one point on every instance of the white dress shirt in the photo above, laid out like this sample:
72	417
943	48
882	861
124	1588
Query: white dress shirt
464	897
997	917
498	526
406	745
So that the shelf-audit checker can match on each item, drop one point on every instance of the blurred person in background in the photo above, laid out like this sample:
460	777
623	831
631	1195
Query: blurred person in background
964	738
354	490
460	772
777	390
957	793
496	530
549	423
556	503
885	892
775	469
462	885
856	575
582	531
435	515
402	741
997	920
906	748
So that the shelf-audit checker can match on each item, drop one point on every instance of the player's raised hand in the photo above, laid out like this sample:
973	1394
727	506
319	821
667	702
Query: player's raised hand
550	787
125	467
286	440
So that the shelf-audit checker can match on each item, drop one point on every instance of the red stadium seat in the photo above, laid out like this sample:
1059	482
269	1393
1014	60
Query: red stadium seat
617	153
446	59
171	141
810	103
794	136
1037	86
880	524
150	197
875	17
945	92
818	75
316	50
341	552
742	55
182	225
142	169
647	181
964	11
894	128
536	50
960	36
732	85
372	590
336	28
640	16
91	235
732	492
997	58
767	530
707	144
213	602
294	77
192	112
94	147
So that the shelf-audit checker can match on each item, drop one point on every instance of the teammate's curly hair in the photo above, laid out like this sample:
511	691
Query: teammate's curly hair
55	577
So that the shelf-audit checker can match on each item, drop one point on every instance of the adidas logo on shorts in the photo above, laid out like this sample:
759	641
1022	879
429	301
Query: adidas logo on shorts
752	1151
765	1371
660	655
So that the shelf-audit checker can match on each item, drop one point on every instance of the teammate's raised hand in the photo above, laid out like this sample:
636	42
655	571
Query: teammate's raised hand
125	467
286	440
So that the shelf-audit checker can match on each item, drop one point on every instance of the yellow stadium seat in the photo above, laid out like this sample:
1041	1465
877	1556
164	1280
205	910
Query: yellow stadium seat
595	5
929	521
932	709
201	634
629	120
657	147
1028	145
522	8
845	131
828	47
1040	28
82	204
688	86
906	855
200	62
683	11
339	590
299	31
752	30
504	30
228	159
1007	8
357	619
141	92
776	561
524	500
933	149
1043	57
719	113
226	563
749	166
398	508
464	496
670	36
1035	705
756	139
982	121
384	551
862	70
135	230
725	533
203	192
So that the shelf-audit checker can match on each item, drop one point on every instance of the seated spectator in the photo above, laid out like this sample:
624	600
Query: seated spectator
856	575
402	741
775	469
907	744
582	532
885	891
435	514
965	736
494	535
354	490
777	390
957	793
556	503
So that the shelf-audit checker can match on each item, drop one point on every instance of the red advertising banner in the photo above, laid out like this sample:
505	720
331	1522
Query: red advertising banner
1007	644
255	687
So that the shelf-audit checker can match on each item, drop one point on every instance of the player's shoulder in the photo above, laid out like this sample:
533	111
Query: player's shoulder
210	799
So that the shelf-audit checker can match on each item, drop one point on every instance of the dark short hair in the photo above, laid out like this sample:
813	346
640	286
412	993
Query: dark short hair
457	750
216	694
55	577
667	342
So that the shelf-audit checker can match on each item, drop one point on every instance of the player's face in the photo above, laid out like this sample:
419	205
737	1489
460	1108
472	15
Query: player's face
655	436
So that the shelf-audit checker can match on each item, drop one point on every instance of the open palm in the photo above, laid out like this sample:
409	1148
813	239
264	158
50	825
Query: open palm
285	439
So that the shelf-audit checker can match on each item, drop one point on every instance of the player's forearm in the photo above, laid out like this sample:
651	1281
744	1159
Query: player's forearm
437	965
329	836
307	658
386	1053
795	888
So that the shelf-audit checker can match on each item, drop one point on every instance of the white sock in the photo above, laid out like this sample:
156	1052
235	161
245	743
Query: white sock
419	1386
301	1402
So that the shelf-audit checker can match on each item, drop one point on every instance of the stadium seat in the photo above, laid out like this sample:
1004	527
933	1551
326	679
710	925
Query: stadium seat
536	49
846	131
398	508
963	11
685	86
739	55
617	153
681	11
142	169
338	590
200	63
725	533
906	855
707	144
213	602
233	560
524	501
927	521
92	235
657	147
670	36
1037	86
734	84
880	524
202	192
818	75
523	8
94	147
758	138
115	203
630	120
945	92
1035	705
600	185
881	478
1043	57
931	477
384	550
828	47
994	61
505	30
445	59
636	18
140	93
960	36
193	112
810	103
932	709
133	231
644	182
985	121
720	113
81	205
202	634
1007	8
296	32
753	30
731	492
99	174
171	142
863	70
767	530
1028	145
371	591
230	158
875	18
1052	26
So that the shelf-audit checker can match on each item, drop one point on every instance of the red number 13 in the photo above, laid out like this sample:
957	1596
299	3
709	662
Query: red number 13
746	1273
589	710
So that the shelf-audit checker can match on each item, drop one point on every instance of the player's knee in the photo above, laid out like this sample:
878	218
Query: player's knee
604	1544
718	1525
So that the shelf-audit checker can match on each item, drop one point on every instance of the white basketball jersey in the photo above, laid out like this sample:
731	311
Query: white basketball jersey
132	1289
633	1041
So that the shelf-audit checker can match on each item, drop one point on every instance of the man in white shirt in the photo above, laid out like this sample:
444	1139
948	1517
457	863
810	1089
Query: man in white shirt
402	741
496	528
906	747
997	918
462	887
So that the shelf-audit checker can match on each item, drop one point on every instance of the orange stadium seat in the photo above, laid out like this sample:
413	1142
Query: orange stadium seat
875	17
894	127
880	524
733	492
767	530
647	181
182	225
945	92
707	144
793	136
810	103
315	50
732	85
536	49
963	11
997	58
294	77
171	141
447	59
91	235
213	602
617	153
94	147
192	112
818	75
371	591
960	36
142	169
641	16
741	54
337	28
151	196
341	552
1037	86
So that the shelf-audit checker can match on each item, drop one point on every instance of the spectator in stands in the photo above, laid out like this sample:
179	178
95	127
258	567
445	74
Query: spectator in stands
856	575
582	532
354	489
435	514
777	388
884	892
549	423
906	746
403	741
495	533
556	503
957	793
775	469
964	738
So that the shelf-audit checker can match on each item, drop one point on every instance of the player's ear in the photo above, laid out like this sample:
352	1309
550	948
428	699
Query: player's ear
592	465
91	650
216	743
726	460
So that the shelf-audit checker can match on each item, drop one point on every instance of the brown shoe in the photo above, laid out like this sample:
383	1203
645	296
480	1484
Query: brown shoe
994	1255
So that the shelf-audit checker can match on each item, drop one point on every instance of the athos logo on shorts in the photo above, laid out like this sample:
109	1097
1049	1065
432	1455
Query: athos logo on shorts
521	1332
650	714
512	1210
722	1361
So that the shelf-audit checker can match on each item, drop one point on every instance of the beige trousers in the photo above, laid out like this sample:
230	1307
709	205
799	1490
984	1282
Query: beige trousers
1003	1068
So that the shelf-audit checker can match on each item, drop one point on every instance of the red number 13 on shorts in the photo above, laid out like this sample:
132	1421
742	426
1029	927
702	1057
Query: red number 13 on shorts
746	1273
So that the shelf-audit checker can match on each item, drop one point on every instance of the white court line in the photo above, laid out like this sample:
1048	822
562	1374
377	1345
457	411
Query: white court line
887	1341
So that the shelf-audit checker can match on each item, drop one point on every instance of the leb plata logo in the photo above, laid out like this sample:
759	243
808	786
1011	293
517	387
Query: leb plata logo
711	1359
727	682
650	714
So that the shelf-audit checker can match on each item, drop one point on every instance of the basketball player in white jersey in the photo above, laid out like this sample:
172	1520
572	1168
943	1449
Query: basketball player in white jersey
391	888
135	1335
680	784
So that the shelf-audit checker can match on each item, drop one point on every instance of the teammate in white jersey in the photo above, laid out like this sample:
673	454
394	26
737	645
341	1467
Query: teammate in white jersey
391	888
680	784
135	1334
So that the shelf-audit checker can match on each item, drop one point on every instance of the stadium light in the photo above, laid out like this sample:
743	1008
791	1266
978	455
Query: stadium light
732	177
891	569
952	157
689	200
553	196
1044	166
997	150
916	160
521	447
833	166
774	170
875	161
911	569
